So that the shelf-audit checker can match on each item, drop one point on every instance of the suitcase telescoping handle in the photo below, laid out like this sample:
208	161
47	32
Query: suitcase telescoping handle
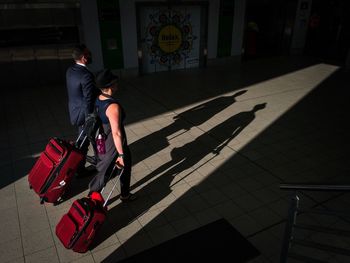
79	139
115	184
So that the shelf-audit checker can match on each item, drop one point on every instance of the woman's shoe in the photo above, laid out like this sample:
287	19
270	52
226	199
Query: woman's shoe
129	198
96	196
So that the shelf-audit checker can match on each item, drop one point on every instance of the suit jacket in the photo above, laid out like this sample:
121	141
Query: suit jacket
82	93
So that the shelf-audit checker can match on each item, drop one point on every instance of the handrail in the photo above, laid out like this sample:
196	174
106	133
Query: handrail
315	187
294	211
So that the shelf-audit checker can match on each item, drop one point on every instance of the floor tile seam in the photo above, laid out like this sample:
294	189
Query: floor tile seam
149	97
149	181
144	231
272	94
167	220
10	240
11	260
178	200
208	205
279	222
144	227
256	164
169	223
52	234
37	251
19	220
95	251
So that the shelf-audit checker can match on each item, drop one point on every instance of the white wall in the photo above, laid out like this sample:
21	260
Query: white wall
238	27
92	38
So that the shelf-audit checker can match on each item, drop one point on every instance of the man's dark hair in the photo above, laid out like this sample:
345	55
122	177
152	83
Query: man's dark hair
78	51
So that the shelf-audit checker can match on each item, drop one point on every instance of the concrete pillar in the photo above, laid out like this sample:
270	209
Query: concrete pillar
300	27
91	29
213	25
129	33
238	27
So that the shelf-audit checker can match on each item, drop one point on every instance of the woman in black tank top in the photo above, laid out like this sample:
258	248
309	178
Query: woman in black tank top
117	150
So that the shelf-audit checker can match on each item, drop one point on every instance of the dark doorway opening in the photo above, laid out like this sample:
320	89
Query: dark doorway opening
268	27
328	34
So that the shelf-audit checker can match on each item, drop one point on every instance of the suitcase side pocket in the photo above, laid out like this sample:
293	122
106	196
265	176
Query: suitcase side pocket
41	172
72	225
56	149
67	230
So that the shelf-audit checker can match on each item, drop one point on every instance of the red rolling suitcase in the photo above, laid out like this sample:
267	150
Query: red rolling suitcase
78	227
55	168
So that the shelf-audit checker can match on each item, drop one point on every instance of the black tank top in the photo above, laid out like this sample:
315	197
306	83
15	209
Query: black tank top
101	107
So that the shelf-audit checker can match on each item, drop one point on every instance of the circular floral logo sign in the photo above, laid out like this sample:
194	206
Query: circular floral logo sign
168	37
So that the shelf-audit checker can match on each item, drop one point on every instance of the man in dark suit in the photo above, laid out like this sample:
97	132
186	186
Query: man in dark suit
82	91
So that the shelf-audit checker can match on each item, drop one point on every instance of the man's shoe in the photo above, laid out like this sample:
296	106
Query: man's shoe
129	198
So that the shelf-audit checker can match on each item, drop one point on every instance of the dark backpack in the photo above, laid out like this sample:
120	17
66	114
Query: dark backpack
92	127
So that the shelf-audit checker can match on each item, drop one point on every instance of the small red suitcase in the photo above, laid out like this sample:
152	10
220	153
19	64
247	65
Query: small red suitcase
78	227
54	170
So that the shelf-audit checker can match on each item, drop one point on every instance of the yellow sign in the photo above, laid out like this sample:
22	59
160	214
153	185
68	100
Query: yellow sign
169	39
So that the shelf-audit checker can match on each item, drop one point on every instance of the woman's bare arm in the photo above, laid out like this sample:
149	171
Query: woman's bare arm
113	112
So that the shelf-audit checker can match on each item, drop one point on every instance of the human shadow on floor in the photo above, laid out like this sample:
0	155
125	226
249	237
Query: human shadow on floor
184	158
192	153
155	142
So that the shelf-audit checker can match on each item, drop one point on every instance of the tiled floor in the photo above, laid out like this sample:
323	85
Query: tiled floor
206	143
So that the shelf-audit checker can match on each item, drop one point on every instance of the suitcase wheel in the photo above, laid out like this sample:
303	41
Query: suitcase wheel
59	200
30	186
43	200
